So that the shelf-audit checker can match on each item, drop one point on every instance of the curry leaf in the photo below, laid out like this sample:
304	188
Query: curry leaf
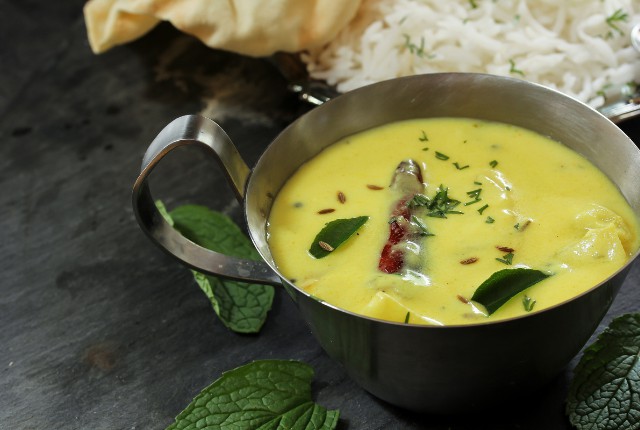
240	306
504	284
605	390
264	395
334	234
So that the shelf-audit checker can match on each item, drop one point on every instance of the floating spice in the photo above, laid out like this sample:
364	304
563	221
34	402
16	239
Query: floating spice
505	249
341	197
469	260
326	211
325	246
375	187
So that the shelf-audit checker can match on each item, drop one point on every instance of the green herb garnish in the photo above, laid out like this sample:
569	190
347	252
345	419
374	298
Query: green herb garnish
504	284
475	195
424	137
266	394
490	220
441	156
473	4
459	167
422	228
334	234
482	209
528	303
493	164
477	183
618	16
406	317
506	259
513	69
412	47
240	306
438	206
604	391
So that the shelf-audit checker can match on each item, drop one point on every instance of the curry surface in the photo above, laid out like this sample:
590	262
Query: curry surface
552	207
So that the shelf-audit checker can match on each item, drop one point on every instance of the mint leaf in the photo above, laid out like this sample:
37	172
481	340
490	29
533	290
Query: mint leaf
240	306
164	212
264	395
605	390
334	234
503	285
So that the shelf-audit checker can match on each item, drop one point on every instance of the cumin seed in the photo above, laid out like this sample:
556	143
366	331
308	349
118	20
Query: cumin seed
325	246
469	260
341	197
505	249
462	299
375	187
326	211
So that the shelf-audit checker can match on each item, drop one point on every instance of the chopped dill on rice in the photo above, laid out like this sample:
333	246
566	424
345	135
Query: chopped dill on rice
579	47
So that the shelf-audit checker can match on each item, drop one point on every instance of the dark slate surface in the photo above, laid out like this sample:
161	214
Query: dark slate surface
99	329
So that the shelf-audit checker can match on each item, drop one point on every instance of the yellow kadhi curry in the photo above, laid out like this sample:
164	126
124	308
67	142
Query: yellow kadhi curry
525	201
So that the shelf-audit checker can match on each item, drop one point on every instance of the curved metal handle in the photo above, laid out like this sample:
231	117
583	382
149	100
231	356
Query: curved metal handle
203	132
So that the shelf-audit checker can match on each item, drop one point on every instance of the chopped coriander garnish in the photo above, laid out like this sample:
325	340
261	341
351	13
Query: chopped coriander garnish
475	194
482	209
441	156
426	148
506	259
412	47
528	303
394	219
493	164
406	317
477	183
473	4
423	231
419	200
517	226
513	69
459	167
617	16
424	137
490	220
438	206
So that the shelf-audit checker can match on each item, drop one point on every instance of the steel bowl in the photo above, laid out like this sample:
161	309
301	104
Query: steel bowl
423	368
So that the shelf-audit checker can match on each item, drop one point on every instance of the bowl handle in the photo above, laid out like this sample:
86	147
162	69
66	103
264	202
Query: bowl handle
202	132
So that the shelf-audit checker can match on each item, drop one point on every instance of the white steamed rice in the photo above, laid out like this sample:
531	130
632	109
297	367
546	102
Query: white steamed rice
580	47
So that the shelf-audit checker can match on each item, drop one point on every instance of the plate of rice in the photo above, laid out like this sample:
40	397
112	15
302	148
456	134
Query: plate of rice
579	47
